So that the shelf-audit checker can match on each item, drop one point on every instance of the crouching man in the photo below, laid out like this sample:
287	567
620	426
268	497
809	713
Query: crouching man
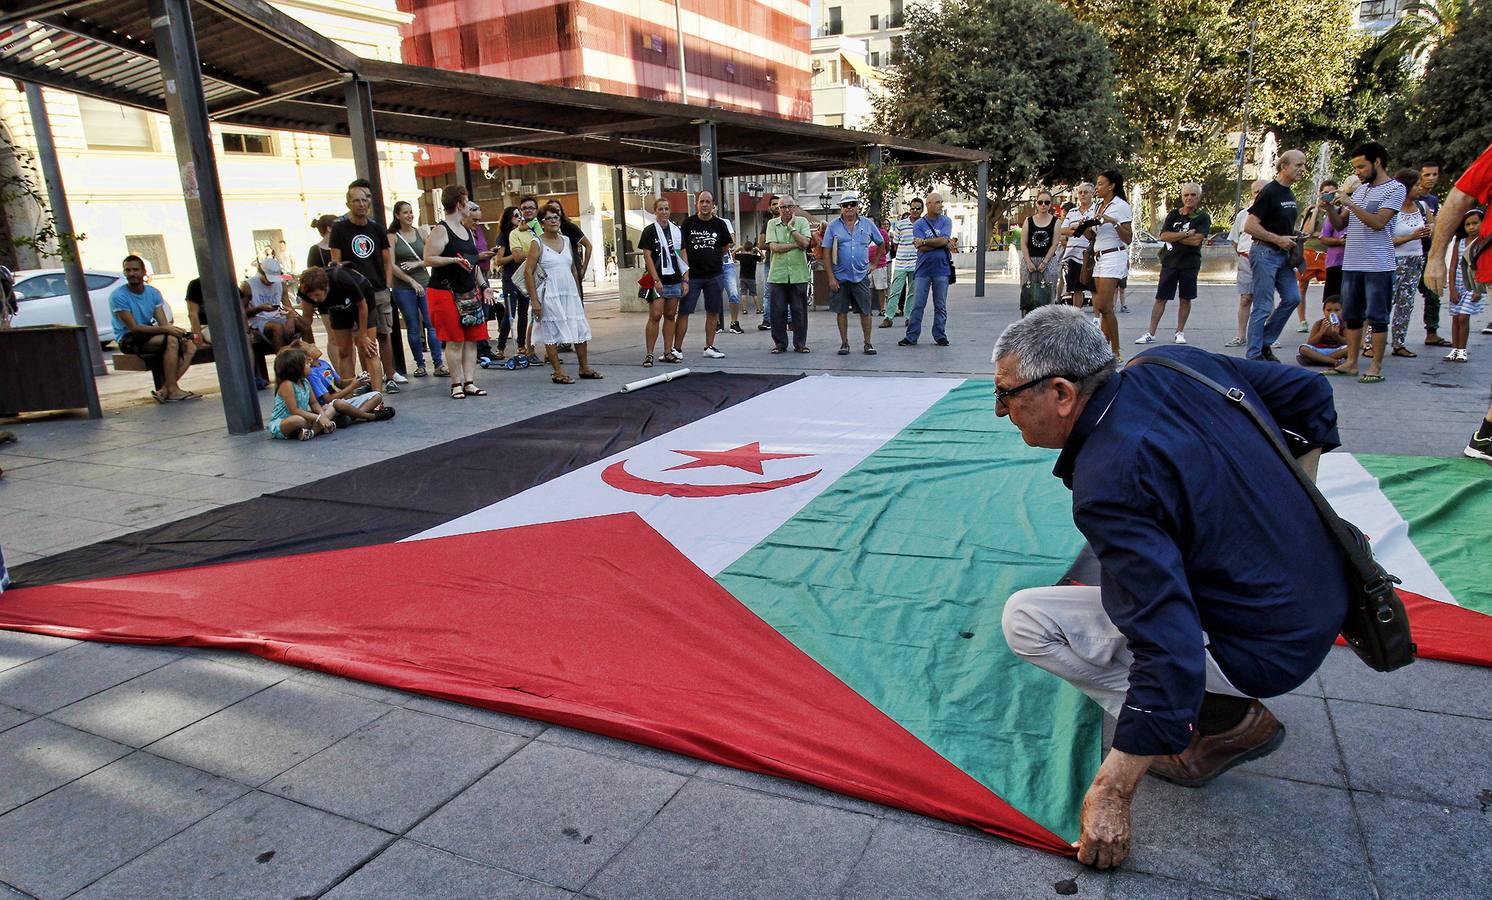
1217	583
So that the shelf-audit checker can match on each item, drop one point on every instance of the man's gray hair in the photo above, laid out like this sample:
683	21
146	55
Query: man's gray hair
1058	340
1084	186
1192	186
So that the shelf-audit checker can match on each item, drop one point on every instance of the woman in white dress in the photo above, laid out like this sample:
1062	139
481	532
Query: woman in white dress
559	315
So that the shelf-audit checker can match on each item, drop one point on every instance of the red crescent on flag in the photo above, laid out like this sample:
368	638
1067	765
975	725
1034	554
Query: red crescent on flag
617	476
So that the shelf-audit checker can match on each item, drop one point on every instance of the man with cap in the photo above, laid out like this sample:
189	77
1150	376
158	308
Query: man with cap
847	241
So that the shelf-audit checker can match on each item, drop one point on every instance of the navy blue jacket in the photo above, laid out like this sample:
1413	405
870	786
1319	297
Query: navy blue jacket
1200	528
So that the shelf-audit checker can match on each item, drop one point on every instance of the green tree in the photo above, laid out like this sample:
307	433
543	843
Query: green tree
1019	79
1379	80
1183	68
1445	116
1425	25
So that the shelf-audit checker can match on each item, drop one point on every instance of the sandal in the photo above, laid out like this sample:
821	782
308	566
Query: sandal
647	361
1369	378
473	391
1437	341
307	433
1343	373
1404	351
844	349
561	379
457	393
869	350
592	374
157	396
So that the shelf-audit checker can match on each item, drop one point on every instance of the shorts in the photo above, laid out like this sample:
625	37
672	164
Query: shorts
1367	296
260	320
1075	282
344	319
852	296
1245	278
748	287
1114	264
1171	279
671	291
383	311
1314	268
447	320
879	279
714	290
134	344
370	400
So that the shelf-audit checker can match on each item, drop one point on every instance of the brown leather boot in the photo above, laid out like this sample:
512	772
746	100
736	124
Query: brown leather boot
1258	735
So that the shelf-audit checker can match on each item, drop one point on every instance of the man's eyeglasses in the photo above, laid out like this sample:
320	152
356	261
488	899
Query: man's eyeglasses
1003	396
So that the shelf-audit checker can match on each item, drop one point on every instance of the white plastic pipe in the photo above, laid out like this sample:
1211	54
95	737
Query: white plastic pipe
656	379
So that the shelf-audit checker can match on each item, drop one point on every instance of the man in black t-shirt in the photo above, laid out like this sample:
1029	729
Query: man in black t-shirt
363	245
1271	222
1185	229
707	240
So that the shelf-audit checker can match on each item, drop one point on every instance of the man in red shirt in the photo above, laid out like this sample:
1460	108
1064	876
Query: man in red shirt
1472	189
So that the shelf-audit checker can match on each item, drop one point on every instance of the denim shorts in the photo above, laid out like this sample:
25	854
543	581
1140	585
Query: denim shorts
1367	296
671	291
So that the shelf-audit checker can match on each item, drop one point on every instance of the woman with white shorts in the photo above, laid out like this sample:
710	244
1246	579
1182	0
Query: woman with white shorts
1111	235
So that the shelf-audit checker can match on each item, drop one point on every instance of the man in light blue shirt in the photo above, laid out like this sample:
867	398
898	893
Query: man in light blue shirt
933	238
848	240
142	328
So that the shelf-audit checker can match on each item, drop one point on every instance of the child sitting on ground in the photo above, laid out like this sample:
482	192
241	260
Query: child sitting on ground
1325	345
349	407
295	411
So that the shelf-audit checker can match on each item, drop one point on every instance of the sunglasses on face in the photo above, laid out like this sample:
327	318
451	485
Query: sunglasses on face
1043	203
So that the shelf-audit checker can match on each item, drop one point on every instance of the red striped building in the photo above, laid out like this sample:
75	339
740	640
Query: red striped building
739	54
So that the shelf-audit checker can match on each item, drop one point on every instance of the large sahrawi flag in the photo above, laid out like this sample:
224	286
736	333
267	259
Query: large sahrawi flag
799	577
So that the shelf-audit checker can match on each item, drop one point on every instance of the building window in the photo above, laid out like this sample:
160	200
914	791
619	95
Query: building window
836	120
836	21
897	17
109	125
875	58
1373	10
545	180
875	23
152	249
241	142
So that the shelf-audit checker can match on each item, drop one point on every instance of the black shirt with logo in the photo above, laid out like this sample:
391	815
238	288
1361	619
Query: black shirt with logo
651	243
362	248
1186	256
1276	209
706	241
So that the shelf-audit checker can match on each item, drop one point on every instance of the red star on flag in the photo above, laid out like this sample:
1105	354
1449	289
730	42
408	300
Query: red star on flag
747	458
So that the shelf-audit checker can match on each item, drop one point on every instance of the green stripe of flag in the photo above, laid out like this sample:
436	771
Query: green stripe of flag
1448	505
895	577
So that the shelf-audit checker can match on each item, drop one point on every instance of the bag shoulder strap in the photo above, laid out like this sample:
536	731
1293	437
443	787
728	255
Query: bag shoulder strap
1339	529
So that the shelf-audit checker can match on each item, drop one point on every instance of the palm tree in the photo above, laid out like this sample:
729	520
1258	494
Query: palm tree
1424	25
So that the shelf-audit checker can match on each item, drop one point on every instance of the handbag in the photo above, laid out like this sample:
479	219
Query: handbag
470	307
1035	293
1376	626
1295	259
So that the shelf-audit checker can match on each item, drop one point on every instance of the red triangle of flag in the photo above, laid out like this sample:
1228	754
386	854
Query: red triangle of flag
598	624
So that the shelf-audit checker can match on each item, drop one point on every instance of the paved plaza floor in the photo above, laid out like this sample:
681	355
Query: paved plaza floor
151	772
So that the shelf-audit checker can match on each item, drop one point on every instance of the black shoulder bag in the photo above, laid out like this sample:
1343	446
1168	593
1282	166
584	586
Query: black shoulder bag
1376	627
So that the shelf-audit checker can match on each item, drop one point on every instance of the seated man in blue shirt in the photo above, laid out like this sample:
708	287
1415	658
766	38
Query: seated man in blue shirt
1217	581
142	328
848	240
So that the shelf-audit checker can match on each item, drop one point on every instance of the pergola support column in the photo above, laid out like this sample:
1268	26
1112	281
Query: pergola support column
982	240
181	71
72	265
463	173
709	160
619	217
365	160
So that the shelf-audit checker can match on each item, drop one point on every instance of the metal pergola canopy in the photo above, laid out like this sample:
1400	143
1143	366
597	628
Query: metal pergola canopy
262	69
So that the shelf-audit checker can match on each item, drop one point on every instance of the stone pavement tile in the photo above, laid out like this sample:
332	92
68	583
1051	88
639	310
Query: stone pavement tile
715	840
600	744
1425	850
906	860
241	659
66	840
14	558
47	534
1251	835
408	869
1419	755
40	756
551	813
17	647
256	739
213	489
396	770
1310	749
257	846
352	687
69	675
10	718
475	715
149	707
784	787
1125	885
1428	684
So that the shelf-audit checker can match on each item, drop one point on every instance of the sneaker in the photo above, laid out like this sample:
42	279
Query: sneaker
1451	355
400	379
886	323
764	327
941	342
1487	329
678	355
1461	356
1180	338
1235	342
1268	353
712	353
1479	447
419	371
391	386
1146	338
735	328
1123	308
844	350
720	328
442	371
906	343
1303	326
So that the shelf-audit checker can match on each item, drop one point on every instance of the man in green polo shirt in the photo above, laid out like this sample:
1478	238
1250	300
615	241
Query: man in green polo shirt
787	238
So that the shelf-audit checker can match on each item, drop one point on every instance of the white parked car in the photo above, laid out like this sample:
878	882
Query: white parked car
42	299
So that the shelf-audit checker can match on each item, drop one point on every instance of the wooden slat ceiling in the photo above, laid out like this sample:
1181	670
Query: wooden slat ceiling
105	48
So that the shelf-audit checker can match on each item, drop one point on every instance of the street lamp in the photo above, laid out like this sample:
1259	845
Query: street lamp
824	199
